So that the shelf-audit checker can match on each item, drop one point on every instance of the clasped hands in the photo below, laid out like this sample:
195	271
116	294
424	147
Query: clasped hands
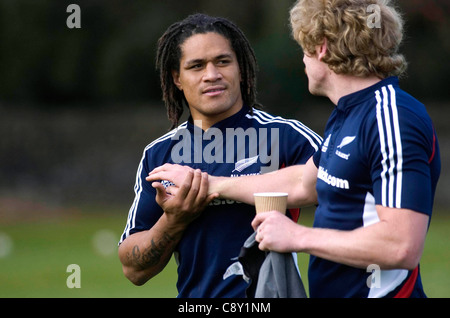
189	195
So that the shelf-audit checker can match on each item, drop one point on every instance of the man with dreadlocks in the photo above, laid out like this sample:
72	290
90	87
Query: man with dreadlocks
207	65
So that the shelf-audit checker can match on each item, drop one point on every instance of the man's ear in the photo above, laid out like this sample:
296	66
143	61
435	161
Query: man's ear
321	50
176	79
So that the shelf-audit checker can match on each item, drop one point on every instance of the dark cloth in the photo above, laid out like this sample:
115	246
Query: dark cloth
271	274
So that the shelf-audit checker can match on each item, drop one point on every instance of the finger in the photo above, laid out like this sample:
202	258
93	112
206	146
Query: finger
160	192
195	187
259	234
211	197
203	190
173	190
259	218
260	239
164	167
205	197
153	177
263	246
186	185
160	175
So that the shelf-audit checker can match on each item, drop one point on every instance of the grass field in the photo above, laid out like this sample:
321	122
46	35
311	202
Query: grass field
34	256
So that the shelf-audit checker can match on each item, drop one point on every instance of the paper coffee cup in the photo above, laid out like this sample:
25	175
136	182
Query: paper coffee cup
269	201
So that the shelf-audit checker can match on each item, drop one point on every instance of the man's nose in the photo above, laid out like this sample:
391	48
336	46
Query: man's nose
212	73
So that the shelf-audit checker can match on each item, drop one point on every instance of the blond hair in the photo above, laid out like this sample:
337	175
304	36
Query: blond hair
355	45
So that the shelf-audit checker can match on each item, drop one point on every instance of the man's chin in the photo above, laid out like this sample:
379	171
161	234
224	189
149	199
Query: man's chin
316	92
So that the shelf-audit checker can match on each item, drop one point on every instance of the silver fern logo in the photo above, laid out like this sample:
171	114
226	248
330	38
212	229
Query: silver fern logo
260	146
346	141
245	163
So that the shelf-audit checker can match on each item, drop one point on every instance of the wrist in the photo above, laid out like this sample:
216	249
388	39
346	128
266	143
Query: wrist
215	185
172	224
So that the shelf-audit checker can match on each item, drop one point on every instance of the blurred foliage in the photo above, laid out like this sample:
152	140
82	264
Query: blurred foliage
111	58
79	105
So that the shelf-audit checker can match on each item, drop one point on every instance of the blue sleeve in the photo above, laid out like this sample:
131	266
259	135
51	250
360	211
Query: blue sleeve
316	158
144	211
299	143
400	154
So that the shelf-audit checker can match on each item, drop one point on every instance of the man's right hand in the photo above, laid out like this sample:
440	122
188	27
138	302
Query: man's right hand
185	203
145	254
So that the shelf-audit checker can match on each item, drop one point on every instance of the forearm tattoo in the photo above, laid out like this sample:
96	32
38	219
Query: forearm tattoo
152	255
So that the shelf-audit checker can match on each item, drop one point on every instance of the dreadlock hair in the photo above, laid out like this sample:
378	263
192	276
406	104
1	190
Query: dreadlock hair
169	55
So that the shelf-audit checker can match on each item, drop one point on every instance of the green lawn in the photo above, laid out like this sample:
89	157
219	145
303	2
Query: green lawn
435	262
41	251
